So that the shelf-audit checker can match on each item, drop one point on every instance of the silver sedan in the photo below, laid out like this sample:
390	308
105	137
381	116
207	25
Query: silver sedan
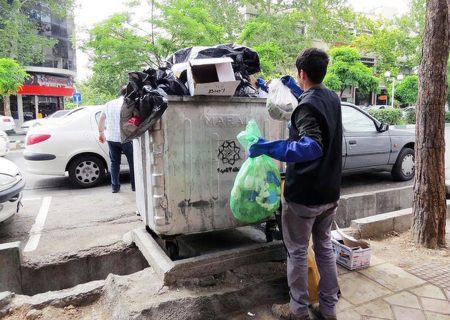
371	145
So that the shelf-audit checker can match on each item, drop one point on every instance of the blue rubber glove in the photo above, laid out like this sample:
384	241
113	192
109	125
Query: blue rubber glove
304	150
262	84
289	82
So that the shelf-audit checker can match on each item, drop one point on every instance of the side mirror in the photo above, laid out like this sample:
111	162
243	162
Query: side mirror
383	127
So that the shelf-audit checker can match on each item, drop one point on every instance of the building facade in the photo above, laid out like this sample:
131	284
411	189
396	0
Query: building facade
51	81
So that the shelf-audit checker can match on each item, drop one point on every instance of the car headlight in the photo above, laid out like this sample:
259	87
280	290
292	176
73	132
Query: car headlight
7	181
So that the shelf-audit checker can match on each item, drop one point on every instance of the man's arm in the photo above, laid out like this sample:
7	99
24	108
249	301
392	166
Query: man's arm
101	128
308	147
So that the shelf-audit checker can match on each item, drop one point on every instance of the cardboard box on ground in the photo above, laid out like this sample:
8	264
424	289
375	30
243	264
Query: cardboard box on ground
213	76
350	253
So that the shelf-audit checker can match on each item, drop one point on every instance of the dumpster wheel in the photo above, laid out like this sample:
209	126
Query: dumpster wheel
173	251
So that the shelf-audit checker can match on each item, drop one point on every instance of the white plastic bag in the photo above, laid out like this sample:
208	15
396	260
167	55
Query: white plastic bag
280	102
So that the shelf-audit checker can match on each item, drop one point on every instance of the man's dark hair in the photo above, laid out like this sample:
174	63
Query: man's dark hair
314	62
123	90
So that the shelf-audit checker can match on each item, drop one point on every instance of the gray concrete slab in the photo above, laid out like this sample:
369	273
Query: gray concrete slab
214	254
10	260
380	224
367	204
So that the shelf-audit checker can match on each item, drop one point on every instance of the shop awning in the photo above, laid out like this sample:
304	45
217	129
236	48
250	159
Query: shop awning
46	91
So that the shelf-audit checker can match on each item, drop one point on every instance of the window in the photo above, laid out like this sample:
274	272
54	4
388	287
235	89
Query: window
354	120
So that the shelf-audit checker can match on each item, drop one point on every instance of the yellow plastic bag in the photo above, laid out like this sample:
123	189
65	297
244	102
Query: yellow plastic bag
313	276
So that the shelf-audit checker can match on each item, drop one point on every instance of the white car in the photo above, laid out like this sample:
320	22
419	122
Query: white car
4	144
69	145
7	124
36	122
11	186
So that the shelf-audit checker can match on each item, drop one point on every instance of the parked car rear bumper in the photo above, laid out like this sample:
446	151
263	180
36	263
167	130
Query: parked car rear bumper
32	156
54	167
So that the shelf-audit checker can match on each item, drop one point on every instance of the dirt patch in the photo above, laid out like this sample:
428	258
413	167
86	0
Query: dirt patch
400	250
93	311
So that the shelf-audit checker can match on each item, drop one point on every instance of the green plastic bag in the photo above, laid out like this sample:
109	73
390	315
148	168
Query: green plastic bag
257	188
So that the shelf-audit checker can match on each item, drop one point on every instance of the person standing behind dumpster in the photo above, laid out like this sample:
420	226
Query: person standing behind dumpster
111	116
313	154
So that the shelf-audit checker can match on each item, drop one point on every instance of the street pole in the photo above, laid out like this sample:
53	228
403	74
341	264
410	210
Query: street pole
393	92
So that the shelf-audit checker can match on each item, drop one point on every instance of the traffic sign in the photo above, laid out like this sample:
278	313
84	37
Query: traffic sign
76	97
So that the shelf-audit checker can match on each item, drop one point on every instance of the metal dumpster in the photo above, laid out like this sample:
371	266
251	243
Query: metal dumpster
185	167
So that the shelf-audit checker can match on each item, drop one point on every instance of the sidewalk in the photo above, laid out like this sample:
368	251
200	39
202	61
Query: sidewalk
385	291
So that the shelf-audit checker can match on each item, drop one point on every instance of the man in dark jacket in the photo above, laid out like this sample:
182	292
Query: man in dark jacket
313	154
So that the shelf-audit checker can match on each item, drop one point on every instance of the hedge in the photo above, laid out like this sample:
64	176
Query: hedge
447	116
410	117
387	116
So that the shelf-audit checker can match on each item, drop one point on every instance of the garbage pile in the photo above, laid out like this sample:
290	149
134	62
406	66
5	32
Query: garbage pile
187	72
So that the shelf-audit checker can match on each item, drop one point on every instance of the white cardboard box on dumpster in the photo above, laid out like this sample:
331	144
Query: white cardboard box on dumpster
350	258
212	77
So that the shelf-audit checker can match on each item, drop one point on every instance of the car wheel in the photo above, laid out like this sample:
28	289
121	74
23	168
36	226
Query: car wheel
86	171
404	168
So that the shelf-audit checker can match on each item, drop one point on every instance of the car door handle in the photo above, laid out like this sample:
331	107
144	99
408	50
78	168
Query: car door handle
352	142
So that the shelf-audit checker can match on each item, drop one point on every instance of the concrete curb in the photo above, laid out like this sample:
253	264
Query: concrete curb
81	294
381	224
367	204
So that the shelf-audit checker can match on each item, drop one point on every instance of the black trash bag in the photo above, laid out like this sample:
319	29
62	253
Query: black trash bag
142	116
245	60
245	88
146	100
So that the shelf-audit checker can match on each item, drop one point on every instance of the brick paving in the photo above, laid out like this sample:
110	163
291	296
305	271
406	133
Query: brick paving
386	292
435	273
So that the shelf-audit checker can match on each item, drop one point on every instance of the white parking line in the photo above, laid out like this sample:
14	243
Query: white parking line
31	199
35	232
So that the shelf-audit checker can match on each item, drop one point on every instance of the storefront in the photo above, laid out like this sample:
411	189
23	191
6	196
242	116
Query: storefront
42	94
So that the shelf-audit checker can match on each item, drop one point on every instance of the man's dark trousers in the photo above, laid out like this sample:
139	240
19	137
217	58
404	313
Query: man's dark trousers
115	154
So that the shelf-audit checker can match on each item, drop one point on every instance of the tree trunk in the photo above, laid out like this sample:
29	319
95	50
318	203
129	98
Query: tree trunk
7	105
429	206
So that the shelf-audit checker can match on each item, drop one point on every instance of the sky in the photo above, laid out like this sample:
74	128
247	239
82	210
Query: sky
90	12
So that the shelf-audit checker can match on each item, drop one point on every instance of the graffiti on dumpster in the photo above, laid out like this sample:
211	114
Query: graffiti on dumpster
227	170
229	152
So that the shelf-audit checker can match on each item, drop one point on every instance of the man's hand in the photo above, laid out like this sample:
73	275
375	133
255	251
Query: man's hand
101	137
258	148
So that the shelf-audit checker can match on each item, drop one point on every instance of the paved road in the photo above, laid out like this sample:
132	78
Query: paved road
73	219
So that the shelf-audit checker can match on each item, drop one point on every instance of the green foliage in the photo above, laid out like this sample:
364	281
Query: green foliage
396	43
406	91
294	25
388	116
117	46
12	76
115	49
410	117
92	95
188	23
19	35
347	70
269	55
447	116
